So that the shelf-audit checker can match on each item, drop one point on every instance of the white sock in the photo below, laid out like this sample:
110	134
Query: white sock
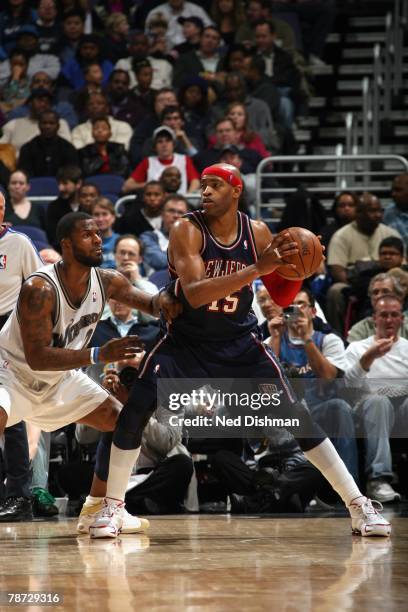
91	500
120	468
326	459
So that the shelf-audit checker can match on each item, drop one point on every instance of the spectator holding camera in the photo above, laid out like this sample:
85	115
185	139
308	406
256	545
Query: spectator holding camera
317	357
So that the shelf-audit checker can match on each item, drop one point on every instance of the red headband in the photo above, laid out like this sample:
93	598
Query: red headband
229	177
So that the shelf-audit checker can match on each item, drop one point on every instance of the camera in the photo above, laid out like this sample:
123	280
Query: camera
291	313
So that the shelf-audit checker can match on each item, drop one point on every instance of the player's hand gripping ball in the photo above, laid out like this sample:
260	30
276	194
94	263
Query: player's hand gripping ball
309	258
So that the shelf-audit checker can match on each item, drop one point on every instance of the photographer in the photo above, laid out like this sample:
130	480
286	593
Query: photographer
317	356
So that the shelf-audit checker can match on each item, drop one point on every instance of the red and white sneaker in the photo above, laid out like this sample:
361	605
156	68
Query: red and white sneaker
90	512
366	521
113	520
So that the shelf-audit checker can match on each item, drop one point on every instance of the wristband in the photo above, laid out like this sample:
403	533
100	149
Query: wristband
94	356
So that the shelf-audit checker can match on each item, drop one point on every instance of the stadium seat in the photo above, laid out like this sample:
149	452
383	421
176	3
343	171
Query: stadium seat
36	234
161	278
107	183
43	186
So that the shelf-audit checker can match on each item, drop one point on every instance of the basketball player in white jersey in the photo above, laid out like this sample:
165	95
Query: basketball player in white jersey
45	340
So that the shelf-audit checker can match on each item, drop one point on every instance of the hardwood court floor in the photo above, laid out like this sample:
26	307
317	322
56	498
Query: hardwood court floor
211	563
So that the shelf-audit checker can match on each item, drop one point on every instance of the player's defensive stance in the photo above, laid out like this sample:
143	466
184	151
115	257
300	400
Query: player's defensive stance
45	340
214	255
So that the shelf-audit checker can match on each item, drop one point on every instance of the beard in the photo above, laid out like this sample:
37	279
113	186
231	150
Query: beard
88	260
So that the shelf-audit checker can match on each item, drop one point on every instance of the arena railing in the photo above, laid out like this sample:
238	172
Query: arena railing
324	175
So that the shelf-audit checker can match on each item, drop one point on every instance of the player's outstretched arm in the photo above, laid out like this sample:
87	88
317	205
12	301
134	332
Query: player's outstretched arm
184	253
121	289
36	306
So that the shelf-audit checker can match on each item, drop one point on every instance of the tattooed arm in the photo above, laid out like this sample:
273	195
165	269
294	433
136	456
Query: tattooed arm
121	289
35	306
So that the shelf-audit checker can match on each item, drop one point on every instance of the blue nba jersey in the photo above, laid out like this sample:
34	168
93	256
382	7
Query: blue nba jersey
230	317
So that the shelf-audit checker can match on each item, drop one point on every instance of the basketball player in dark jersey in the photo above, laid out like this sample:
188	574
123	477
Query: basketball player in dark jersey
214	256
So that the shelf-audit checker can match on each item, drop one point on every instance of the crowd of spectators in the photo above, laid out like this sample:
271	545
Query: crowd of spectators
149	93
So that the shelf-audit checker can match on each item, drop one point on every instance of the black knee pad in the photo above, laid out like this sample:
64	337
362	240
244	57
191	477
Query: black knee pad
135	415
308	434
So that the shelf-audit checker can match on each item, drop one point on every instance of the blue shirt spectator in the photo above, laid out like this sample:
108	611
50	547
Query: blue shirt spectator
155	242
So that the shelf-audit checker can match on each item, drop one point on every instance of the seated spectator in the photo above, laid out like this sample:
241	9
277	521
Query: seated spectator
15	91
45	153
380	285
146	216
19	131
343	211
280	68
88	193
22	211
204	62
172	12
128	253
69	180
262	87
186	144
356	241
257	10
103	156
143	91
170	486
316	19
93	76
156	241
73	29
192	29
390	255
28	41
103	211
150	168
49	26
231	154
12	18
138	47
65	110
378	367
227	135
228	16
124	104
170	180
238	114
97	107
164	97
89	51
194	102
396	214
318	356
116	34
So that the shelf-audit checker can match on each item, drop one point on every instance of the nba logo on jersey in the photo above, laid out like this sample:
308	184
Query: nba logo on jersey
94	297
3	262
245	245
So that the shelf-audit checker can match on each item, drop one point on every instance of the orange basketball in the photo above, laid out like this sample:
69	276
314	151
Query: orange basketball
309	257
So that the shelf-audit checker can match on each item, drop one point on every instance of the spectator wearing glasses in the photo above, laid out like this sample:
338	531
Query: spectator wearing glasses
381	285
156	241
378	367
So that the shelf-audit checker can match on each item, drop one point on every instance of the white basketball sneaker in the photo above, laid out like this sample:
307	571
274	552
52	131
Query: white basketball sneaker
366	521
90	512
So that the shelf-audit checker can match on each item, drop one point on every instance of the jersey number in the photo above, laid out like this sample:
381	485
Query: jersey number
227	305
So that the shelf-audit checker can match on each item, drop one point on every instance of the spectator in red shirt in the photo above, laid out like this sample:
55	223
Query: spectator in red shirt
151	168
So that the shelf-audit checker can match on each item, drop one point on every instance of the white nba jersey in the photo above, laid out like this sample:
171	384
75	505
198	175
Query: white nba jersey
73	327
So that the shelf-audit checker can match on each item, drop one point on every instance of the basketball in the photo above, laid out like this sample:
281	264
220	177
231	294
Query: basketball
309	257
